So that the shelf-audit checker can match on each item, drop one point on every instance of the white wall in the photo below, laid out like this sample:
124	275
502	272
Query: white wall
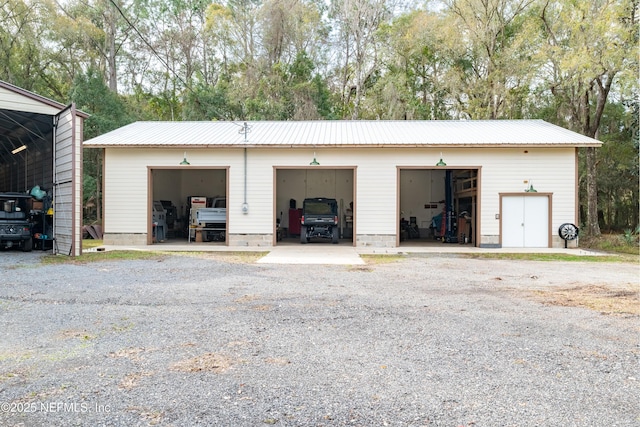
126	182
506	170
167	185
502	170
419	188
202	182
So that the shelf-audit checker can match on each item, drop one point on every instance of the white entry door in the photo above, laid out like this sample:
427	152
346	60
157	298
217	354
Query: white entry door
525	221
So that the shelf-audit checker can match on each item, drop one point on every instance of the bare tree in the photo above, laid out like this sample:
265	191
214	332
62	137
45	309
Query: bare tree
357	24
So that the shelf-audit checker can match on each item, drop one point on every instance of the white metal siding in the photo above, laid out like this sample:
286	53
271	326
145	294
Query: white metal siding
126	181
506	170
377	194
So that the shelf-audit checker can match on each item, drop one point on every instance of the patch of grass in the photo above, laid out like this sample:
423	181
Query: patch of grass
64	354
91	243
614	243
7	376
382	258
554	257
102	256
76	333
19	357
125	327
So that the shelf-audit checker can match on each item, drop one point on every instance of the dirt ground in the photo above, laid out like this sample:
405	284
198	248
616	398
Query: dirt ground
611	299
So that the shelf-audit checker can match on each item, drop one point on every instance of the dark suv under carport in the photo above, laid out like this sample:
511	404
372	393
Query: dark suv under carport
15	227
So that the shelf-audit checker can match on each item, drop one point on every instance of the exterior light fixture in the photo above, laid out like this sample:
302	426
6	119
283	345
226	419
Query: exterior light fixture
314	162
19	149
530	189
441	162
184	161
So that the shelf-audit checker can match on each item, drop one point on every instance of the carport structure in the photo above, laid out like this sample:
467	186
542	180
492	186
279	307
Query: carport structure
41	145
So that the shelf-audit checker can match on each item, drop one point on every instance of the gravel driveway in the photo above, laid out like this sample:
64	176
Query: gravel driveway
424	341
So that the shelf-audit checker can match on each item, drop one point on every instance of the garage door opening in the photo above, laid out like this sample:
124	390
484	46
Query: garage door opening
188	205
437	206
294	185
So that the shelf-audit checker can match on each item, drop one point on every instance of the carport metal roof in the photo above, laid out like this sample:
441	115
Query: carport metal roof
343	133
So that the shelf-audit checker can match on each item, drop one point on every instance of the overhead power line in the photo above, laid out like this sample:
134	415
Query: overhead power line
144	40
156	54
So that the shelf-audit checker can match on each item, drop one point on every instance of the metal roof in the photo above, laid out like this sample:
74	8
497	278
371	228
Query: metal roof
343	133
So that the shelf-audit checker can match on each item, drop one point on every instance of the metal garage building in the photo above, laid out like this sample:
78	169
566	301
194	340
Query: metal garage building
506	183
41	145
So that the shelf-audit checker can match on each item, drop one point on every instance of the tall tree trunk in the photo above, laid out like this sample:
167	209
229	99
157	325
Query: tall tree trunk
593	227
600	87
98	160
113	77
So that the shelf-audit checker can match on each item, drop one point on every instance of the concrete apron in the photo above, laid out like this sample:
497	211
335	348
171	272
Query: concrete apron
312	253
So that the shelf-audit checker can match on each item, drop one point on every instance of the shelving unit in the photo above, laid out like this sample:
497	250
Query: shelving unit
466	195
42	230
466	186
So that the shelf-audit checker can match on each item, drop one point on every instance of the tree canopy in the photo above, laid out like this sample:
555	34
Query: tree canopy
573	63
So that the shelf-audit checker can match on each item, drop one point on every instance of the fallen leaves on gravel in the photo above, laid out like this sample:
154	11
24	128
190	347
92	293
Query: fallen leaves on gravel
604	299
277	361
131	380
246	299
133	353
208	362
150	416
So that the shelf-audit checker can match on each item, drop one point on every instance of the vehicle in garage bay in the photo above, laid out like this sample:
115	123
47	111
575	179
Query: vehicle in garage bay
319	219
209	216
15	227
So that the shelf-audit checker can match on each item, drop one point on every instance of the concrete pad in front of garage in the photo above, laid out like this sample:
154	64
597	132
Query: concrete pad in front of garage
313	253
